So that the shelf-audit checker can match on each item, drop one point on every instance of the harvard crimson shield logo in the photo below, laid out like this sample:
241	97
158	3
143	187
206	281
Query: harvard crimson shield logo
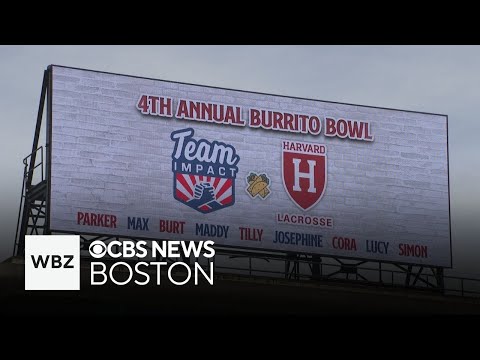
304	171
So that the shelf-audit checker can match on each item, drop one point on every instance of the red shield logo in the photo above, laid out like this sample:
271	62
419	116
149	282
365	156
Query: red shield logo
304	171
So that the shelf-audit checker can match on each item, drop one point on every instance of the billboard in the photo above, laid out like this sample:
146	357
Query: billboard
156	159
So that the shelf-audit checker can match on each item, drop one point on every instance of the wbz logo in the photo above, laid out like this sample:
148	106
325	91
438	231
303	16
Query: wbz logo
52	262
56	261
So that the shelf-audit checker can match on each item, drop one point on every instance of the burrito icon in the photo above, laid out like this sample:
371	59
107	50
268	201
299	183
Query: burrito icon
258	185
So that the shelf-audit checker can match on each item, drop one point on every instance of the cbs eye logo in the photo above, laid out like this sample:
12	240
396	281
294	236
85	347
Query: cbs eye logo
116	249
97	249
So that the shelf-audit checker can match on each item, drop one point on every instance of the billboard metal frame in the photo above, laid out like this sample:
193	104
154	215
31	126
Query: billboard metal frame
291	258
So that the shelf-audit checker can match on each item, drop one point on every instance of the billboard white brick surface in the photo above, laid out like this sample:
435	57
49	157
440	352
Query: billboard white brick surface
387	195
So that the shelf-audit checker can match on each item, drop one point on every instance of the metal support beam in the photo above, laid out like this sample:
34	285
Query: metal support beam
30	165
38	127
407	278
417	276
440	279
316	267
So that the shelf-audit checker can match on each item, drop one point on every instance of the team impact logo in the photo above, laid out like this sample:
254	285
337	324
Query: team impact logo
304	172
203	172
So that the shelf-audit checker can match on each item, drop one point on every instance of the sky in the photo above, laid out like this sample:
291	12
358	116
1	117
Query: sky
437	79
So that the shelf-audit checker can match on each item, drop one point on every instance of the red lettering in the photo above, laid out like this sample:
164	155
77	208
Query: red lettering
175	227
94	219
113	221
267	120
411	250
195	110
80	216
423	251
315	125
303	119
342	128
289	122
255	120
142	104
218	113
165	107
330	128
277	120
229	115
180	227
182	109
335	242
355	129
305	219
239	120
172	226
344	243
367	137
206	111
153	104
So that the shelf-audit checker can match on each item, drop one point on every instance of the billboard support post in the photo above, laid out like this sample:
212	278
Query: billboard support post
380	273
38	127
316	268
32	209
440	279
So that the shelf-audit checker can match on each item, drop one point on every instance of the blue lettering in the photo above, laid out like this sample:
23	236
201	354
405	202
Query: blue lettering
138	223
294	238
210	230
380	247
131	223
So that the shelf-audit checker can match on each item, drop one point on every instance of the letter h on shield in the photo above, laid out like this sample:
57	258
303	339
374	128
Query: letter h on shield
310	175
